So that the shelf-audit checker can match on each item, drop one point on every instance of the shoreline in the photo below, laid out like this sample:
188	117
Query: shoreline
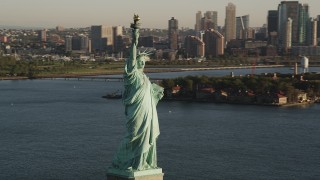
148	70
238	103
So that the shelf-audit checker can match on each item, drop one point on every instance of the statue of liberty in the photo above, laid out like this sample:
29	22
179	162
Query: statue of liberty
137	151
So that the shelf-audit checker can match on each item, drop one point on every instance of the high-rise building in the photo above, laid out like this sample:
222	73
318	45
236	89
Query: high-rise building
212	16
42	35
242	24
101	37
68	43
206	24
239	28
214	43
198	21
148	41
117	38
318	27
194	47
272	26
288	35
303	23
84	43
173	33
312	32
288	9
79	43
230	22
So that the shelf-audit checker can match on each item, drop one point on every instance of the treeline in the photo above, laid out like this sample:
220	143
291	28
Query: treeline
9	66
260	84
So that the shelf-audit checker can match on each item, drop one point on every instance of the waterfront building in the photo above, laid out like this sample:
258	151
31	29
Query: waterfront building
194	47
214	43
198	21
272	23
173	33
230	22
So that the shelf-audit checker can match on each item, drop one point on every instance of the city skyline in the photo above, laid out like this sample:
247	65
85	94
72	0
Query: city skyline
81	13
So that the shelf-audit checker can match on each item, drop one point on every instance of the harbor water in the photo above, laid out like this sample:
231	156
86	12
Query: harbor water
63	129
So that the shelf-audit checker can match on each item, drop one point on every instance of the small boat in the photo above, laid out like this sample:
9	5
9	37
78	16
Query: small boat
114	95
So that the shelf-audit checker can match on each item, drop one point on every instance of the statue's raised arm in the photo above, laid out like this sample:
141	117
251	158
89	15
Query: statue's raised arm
135	38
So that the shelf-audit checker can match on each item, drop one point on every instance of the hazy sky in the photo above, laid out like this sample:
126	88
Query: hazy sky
154	13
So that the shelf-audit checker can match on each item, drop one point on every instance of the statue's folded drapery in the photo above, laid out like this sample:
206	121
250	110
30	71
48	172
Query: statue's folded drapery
137	150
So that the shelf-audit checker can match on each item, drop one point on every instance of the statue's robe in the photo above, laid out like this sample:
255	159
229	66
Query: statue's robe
137	150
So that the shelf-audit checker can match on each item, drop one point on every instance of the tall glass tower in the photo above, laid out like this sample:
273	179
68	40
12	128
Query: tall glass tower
303	24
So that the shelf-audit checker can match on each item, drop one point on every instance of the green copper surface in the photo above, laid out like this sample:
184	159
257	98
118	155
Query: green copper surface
137	151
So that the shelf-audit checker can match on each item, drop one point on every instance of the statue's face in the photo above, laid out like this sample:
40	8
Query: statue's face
141	62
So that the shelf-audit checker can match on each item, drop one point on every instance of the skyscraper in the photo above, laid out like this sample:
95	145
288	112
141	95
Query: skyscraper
214	43
230	22
68	43
206	24
117	38
318	27
239	28
198	21
303	23
312	32
194	47
101	37
288	35
173	33
213	17
242	25
272	26
80	43
288	9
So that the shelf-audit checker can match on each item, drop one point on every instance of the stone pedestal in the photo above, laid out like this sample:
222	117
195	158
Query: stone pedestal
152	174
